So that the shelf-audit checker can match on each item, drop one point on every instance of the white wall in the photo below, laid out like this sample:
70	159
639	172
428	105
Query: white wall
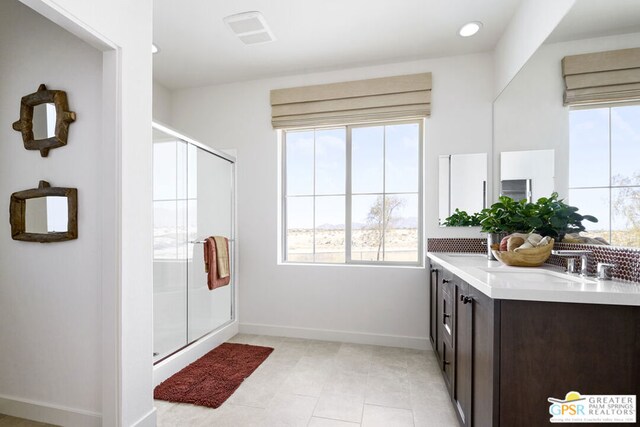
161	103
532	23
529	114
373	304
50	293
122	30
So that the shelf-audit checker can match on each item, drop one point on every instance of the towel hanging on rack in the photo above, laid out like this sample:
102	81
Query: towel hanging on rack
216	256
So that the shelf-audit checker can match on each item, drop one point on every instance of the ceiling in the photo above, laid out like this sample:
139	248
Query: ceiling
598	18
197	48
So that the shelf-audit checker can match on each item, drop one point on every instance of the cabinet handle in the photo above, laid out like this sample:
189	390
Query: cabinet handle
444	364
444	317
465	299
434	270
445	281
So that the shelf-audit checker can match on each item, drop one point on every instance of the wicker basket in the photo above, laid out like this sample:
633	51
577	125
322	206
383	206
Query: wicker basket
532	257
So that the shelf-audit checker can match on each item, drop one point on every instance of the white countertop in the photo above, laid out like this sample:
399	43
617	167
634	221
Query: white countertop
546	283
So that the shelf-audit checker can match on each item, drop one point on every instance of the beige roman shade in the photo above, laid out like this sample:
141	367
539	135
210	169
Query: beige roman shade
602	77
359	101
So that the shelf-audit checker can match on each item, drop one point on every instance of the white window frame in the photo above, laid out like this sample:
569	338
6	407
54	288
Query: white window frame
348	195
610	187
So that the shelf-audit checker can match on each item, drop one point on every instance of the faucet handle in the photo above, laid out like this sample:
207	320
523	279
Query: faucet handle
604	271
571	265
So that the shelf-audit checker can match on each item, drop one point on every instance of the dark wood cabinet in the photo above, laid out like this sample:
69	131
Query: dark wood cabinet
433	306
462	386
497	355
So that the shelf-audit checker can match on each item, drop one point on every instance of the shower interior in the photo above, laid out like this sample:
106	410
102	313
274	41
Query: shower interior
193	198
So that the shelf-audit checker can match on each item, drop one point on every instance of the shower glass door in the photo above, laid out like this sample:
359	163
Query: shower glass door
210	182
192	200
170	207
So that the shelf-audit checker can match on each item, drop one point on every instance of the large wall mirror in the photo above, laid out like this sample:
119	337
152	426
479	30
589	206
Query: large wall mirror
596	147
462	184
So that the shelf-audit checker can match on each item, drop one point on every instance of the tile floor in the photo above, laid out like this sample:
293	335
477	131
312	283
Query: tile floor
7	421
328	384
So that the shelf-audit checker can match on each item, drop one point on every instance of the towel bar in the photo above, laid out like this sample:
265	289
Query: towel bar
202	241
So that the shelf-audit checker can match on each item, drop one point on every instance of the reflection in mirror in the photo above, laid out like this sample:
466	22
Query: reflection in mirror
527	174
44	120
462	184
46	215
597	145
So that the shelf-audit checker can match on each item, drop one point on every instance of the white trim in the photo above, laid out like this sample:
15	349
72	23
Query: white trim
64	19
191	353
111	223
44	412
148	420
418	343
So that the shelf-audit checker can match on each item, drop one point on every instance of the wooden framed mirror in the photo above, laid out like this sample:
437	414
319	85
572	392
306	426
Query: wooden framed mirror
44	120
44	214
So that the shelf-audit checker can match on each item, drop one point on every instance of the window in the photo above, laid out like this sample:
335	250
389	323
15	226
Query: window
353	194
604	171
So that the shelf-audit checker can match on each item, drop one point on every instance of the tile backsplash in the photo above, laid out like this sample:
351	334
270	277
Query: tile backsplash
627	260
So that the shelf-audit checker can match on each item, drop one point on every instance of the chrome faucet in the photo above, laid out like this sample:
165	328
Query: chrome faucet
604	271
571	266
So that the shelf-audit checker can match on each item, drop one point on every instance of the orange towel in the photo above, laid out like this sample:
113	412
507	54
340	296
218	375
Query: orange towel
211	264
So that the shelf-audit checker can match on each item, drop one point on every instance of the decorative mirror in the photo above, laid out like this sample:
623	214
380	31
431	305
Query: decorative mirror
44	214
44	120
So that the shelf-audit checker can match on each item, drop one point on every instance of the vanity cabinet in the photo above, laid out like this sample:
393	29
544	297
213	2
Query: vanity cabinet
461	332
502	359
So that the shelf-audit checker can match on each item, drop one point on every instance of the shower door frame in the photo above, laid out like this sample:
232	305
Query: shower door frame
232	239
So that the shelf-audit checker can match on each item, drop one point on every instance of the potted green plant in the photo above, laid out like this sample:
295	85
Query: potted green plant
548	216
462	219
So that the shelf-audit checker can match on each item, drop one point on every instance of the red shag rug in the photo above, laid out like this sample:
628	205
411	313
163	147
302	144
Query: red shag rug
210	380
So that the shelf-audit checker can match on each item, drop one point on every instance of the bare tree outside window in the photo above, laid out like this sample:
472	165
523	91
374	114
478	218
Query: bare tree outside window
380	219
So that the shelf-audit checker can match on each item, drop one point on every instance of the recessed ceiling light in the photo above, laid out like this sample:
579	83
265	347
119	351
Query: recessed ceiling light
470	28
154	48
250	27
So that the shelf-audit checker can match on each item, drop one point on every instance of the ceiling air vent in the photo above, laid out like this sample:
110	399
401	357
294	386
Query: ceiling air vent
250	27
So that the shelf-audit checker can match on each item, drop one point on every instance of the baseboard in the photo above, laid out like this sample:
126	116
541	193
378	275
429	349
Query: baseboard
148	420
419	343
47	413
193	352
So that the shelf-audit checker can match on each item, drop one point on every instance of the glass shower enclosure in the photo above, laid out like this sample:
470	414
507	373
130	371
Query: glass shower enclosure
193	198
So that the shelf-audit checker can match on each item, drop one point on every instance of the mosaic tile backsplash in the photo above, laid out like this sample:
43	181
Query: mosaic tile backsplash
627	260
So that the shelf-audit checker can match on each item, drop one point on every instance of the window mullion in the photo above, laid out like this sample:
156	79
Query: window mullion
285	200
610	179
384	189
347	209
313	224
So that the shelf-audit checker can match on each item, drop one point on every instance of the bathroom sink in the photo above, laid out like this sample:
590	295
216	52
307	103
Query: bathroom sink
467	255
529	275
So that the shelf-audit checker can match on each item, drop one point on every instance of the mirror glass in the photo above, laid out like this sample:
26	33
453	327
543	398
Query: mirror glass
44	120
527	174
595	147
46	215
462	184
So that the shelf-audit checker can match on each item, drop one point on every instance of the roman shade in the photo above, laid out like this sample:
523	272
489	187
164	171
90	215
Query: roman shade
359	101
602	77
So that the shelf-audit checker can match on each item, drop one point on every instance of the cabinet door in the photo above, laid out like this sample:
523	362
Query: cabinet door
462	389
433	305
